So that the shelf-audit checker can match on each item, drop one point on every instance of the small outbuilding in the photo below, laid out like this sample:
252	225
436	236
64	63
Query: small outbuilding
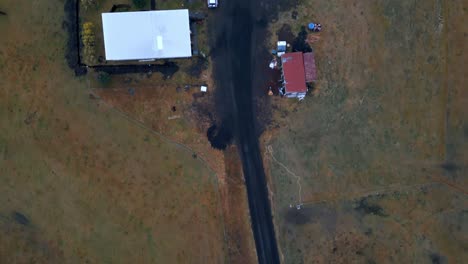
146	35
309	67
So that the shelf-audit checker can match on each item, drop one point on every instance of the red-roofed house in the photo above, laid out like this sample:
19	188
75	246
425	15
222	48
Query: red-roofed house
294	82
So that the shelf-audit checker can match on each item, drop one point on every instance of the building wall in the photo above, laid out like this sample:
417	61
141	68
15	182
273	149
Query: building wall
295	95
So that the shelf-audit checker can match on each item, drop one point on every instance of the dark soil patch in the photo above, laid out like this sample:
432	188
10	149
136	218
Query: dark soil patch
450	166
20	218
437	259
167	69
298	217
321	214
300	43
80	70
275	81
269	9
285	33
196	16
310	88
219	137
198	65
120	8
294	15
365	208
202	112
70	25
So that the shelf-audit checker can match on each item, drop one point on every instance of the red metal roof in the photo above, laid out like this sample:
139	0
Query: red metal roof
309	67
293	71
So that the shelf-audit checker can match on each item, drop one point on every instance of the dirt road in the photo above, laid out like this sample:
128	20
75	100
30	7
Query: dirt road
235	44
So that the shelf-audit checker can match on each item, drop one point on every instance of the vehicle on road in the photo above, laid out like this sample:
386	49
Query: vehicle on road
212	3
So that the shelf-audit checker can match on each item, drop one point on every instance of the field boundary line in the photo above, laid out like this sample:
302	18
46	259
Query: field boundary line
391	188
144	126
367	193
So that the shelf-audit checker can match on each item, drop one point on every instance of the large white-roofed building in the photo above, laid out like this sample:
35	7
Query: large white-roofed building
147	35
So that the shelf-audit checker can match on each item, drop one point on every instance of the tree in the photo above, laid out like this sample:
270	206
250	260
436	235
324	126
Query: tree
300	43
104	78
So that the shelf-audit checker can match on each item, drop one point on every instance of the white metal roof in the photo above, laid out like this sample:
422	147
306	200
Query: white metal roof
147	35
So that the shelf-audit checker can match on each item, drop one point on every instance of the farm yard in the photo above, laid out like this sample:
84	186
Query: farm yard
86	177
376	155
166	98
90	14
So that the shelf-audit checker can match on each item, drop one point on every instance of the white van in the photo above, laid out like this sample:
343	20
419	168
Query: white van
212	3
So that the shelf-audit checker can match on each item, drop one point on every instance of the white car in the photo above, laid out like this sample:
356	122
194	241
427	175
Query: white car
212	3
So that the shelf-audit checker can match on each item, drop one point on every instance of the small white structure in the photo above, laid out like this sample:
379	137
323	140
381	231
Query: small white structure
146	35
212	3
281	48
203	89
273	63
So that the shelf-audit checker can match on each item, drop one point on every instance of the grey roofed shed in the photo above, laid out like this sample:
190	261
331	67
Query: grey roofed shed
147	35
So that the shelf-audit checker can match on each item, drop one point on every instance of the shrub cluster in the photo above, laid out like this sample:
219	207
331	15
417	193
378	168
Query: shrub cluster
140	3
89	42
88	3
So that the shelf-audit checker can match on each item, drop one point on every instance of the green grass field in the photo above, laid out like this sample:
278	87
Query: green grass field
80	182
380	145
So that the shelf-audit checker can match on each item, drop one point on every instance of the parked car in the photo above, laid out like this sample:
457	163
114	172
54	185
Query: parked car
212	3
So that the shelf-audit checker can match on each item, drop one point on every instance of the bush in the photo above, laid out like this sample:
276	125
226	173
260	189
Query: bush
140	3
300	43
89	42
104	78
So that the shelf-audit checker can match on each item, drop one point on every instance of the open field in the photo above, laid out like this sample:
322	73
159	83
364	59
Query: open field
152	107
380	146
82	183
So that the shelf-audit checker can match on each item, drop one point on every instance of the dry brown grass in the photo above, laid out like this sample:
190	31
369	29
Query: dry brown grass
94	186
384	119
